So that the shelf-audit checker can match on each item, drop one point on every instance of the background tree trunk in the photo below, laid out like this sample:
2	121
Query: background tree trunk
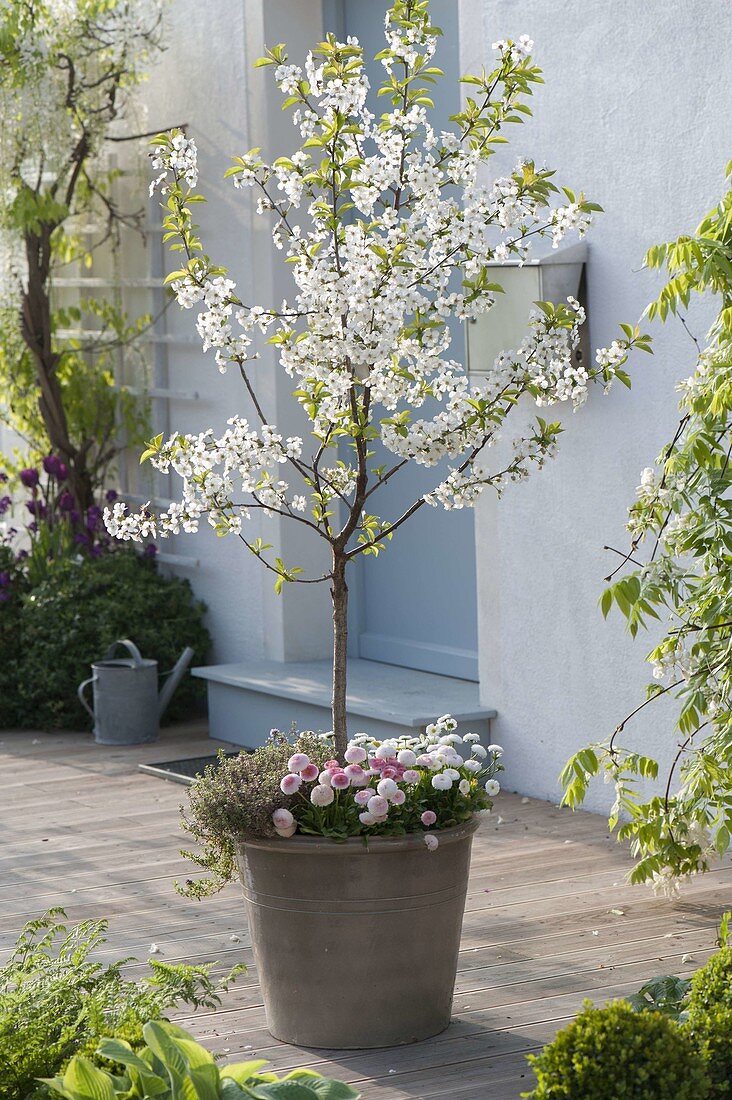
339	595
38	336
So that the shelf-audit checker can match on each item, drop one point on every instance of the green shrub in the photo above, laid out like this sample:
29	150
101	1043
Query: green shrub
12	587
74	615
55	1001
710	1032
614	1053
711	986
709	1025
171	1065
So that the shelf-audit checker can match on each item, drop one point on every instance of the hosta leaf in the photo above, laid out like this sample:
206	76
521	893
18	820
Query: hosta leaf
84	1080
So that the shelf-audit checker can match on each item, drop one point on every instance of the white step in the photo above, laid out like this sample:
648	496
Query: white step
249	698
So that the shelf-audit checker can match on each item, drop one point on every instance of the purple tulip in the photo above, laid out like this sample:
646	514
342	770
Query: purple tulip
150	550
5	579
81	539
53	466
93	516
66	501
36	508
111	495
29	478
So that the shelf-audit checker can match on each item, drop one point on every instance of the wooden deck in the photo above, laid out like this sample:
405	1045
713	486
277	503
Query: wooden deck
548	921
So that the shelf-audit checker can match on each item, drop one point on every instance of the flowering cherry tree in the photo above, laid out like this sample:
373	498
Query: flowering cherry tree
390	229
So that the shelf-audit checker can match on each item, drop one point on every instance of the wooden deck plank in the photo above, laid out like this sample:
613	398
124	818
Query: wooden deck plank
82	827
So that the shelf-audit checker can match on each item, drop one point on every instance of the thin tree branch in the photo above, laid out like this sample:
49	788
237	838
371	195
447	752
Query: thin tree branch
148	133
273	569
656	695
679	754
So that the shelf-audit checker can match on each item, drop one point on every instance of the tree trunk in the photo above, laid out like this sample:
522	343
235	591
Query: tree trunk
339	595
38	337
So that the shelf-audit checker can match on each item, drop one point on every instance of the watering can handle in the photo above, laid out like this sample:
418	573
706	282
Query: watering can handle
80	692
129	646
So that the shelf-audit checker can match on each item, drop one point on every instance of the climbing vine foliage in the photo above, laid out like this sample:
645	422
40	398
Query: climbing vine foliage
678	570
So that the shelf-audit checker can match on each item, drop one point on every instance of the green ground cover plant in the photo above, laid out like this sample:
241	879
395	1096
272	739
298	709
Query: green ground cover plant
56	1001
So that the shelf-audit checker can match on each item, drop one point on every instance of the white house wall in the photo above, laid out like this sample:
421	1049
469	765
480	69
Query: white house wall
630	113
206	80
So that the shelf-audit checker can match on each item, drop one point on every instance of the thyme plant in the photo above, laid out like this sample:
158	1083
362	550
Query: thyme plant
390	230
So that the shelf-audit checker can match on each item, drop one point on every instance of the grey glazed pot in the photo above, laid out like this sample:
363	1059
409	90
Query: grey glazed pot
356	945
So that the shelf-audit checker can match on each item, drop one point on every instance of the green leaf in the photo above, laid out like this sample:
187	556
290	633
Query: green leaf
153	448
195	1054
205	1079
163	1047
606	602
333	1090
241	1072
83	1079
284	1090
117	1050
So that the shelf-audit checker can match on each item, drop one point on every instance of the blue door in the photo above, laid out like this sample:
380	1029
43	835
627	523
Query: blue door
415	605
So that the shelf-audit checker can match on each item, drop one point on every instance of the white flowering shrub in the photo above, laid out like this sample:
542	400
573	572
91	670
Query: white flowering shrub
678	569
389	228
61	84
391	787
67	69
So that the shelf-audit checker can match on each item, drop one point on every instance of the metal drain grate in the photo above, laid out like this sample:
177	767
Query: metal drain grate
185	771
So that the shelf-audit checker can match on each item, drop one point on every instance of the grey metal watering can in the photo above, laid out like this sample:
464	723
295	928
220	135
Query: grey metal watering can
127	706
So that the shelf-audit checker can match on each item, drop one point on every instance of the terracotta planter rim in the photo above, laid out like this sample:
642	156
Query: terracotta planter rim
354	845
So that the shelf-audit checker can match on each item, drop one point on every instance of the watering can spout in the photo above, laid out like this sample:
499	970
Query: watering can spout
174	678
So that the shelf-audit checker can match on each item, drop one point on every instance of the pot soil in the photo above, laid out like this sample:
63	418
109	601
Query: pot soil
356	944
